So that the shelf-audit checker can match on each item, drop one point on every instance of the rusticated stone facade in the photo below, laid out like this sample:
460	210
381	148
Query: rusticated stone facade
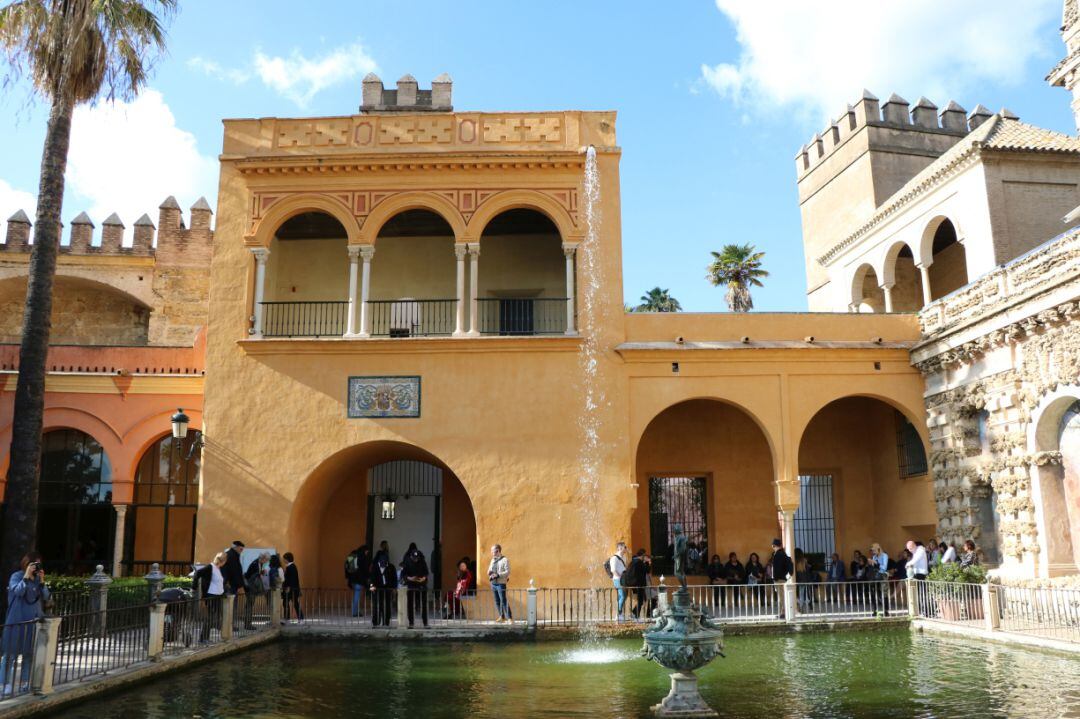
1001	360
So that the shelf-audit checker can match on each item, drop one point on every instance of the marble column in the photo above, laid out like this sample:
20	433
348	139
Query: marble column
262	254
354	262
366	253
474	274
887	289
924	272
460	249
571	296
118	539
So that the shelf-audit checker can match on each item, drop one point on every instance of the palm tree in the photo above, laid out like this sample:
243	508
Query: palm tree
73	52
658	300
738	267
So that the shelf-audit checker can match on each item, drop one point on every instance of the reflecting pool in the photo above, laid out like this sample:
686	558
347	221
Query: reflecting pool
891	673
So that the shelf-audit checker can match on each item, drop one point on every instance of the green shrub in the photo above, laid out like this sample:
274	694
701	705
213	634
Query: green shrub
954	573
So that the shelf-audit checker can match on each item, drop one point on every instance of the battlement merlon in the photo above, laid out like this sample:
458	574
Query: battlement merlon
176	243
892	124
372	136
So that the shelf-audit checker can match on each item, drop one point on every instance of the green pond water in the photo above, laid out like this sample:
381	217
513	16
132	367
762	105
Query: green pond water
890	673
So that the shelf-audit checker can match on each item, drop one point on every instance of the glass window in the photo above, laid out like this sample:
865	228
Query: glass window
161	523
75	517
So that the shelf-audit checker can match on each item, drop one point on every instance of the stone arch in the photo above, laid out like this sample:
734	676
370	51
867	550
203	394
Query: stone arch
1055	483
866	292
898	268
862	479
321	529
288	208
402	201
524	199
149	430
944	256
915	415
716	451
925	250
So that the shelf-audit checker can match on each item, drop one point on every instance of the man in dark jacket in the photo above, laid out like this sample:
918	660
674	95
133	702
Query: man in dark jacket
415	573
290	587
233	572
357	570
383	588
782	568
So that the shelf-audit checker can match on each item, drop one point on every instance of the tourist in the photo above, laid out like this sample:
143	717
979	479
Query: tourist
779	569
256	584
970	556
384	548
233	572
499	574
275	573
357	571
290	588
755	576
383	579
26	596
879	574
805	577
414	569
615	567
693	558
950	554
936	552
636	579
834	574
718	579
736	577
461	590
918	562
209	581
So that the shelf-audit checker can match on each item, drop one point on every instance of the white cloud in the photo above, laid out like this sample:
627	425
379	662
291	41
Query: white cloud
818	56
300	78
215	70
13	199
126	157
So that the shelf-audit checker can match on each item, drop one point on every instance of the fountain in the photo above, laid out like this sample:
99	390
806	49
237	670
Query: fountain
682	639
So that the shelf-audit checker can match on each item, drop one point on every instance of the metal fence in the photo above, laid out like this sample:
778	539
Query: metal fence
1048	612
16	658
251	613
192	622
97	642
521	316
949	601
304	319
412	318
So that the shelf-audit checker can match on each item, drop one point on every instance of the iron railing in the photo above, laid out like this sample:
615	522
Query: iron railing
17	658
953	602
521	316
1045	611
412	318
97	642
304	319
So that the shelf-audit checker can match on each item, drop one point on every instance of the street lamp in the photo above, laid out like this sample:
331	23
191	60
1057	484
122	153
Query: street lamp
180	424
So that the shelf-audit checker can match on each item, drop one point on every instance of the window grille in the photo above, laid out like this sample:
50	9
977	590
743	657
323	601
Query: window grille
815	525
909	448
677	500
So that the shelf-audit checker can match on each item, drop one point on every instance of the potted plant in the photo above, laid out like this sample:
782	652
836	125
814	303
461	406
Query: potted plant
955	602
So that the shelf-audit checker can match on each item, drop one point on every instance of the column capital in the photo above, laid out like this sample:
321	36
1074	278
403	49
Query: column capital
474	249
354	252
261	254
569	248
460	248
887	285
367	252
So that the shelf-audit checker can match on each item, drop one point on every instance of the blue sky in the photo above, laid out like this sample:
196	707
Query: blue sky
714	100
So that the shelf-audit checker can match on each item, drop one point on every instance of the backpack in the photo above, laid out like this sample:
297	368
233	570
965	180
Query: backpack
352	563
607	568
629	576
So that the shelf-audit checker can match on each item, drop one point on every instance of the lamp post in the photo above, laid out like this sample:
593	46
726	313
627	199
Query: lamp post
180	423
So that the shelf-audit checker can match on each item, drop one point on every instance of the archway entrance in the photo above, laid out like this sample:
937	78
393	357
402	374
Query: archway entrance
707	465
863	480
380	491
1059	484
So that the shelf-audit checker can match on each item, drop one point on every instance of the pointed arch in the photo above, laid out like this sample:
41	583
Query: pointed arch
294	205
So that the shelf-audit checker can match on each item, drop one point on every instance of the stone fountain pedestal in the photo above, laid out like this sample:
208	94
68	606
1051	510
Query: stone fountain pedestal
683	639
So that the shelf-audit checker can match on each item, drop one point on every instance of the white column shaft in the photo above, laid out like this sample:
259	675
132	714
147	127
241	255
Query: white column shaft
571	302
261	255
365	288
924	272
354	262
474	274
459	322
118	538
887	289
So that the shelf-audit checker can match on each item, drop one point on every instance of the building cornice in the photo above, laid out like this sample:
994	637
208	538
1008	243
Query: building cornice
101	383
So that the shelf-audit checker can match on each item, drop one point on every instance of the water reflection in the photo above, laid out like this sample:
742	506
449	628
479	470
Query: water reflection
848	674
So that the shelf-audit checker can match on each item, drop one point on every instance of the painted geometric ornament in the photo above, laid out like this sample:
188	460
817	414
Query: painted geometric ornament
383	397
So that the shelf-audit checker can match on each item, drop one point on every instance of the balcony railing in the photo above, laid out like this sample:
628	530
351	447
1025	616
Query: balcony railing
412	318
304	319
522	316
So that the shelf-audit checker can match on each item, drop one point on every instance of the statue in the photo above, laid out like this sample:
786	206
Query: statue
680	555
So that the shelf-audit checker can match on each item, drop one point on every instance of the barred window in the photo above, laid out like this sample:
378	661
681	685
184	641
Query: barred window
815	524
678	500
909	448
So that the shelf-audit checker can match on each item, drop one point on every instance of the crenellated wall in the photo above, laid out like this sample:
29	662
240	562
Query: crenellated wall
151	292
864	156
